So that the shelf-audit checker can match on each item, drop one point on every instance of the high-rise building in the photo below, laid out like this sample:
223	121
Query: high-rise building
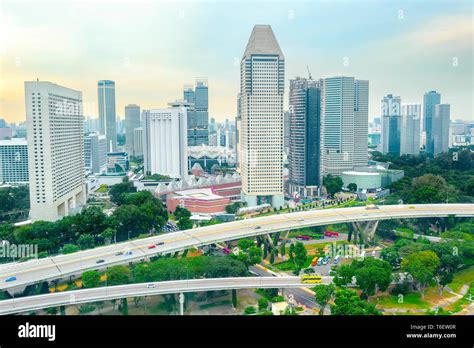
304	137
95	153
165	142
262	83
138	141
430	99
55	150
14	161
440	128
107	115
344	110
410	134
132	121
391	124
198	114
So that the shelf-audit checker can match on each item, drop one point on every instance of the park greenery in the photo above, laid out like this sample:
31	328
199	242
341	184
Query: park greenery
449	177
137	213
14	203
333	184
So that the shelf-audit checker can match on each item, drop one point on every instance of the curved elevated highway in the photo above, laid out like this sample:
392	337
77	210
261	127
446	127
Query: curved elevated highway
24	304
62	266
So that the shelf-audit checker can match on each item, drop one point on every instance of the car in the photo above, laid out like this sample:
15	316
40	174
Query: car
128	253
303	238
10	279
160	243
371	206
320	262
325	261
119	253
258	227
149	286
336	259
100	261
151	246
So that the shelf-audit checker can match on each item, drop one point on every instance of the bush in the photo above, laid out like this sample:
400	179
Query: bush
250	310
402	288
278	299
262	304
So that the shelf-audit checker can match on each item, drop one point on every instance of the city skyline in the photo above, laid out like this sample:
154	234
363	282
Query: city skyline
390	49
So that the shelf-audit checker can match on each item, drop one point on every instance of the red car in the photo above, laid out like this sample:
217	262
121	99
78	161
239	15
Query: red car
331	234
303	238
151	246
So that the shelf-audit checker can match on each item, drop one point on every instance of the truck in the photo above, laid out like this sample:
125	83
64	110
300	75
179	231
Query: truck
314	262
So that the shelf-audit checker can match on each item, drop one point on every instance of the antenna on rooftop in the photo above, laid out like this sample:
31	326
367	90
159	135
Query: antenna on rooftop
309	73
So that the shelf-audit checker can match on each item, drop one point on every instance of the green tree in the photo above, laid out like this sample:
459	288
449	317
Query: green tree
346	302
117	191
323	294
185	223
181	212
69	248
245	243
124	306
352	187
372	274
90	279
118	275
262	304
422	266
86	241
333	184
343	275
300	257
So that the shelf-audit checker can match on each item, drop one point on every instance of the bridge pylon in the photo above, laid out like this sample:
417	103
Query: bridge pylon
363	231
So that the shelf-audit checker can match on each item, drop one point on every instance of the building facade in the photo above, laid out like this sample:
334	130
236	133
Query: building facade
165	142
107	115
95	153
138	141
198	112
391	124
440	128
55	149
304	138
132	121
344	110
410	135
262	74
430	99
14	161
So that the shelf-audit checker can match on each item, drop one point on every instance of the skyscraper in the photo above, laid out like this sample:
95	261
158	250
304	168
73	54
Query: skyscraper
391	124
410	134
95	153
107	115
132	121
344	110
165	142
440	128
430	99
262	74
304	137
55	149
198	114
14	161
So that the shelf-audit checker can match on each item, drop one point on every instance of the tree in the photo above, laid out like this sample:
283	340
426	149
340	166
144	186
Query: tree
372	274
422	266
86	241
129	220
390	255
116	191
185	223
323	294
299	257
90	279
333	184
69	248
352	187
343	275
124	306
245	243
118	275
181	212
347	302
262	304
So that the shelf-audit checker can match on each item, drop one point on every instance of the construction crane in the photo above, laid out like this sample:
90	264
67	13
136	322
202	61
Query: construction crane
309	73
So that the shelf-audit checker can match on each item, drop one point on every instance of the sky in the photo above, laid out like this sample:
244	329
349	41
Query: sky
152	48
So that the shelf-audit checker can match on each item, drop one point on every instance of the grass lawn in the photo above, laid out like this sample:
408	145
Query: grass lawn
461	278
410	301
463	302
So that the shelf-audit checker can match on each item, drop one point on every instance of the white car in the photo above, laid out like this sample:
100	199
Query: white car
149	286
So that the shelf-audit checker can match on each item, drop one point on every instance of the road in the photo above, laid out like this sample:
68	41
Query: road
62	266
24	304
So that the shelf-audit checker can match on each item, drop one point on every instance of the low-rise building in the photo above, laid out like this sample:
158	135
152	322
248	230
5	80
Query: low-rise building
197	201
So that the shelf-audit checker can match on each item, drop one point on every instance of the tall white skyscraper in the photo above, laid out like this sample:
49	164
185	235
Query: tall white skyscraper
410	134
440	128
165	142
262	82
344	110
95	153
55	149
107	115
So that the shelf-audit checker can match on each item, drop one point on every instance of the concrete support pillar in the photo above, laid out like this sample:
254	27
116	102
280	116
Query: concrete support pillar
181	303
364	231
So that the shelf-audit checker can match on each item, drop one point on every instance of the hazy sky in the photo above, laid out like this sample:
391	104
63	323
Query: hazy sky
151	48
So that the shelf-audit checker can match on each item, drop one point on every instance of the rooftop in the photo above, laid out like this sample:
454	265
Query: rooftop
262	41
